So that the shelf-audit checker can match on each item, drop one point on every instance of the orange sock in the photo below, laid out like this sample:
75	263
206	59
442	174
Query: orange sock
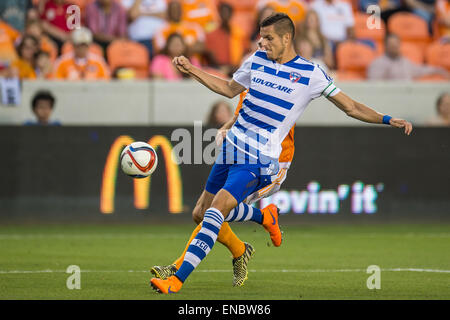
179	261
230	240
226	237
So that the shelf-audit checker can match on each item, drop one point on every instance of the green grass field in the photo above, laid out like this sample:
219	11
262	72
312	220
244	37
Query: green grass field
314	262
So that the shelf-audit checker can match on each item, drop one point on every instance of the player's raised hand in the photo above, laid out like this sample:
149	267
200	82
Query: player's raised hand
400	123
182	63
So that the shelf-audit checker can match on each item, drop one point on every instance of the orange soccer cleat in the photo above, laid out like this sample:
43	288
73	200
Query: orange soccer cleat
270	223
170	285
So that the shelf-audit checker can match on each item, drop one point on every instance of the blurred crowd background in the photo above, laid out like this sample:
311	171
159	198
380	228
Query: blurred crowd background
137	39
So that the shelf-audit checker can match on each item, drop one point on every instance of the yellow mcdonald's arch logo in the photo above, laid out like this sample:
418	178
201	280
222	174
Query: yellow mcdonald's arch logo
141	186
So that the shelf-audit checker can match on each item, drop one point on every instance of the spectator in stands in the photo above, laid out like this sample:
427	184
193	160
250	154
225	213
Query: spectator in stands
191	32
54	21
107	20
8	36
146	18
227	42
220	113
262	13
43	65
336	20
42	104
443	111
202	12
295	9
34	28
393	66
305	48
162	66
81	64
443	19
26	51
310	29
16	12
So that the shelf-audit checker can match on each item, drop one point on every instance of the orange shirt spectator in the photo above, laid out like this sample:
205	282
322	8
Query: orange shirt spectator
81	64
443	18
92	67
8	36
23	69
191	32
295	9
202	12
23	66
227	42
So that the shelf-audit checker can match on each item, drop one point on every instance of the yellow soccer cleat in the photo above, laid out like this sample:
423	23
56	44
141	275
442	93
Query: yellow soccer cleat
170	285
164	272
270	223
240	266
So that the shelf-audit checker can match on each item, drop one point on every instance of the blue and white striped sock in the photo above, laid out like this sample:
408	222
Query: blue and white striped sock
244	212
202	243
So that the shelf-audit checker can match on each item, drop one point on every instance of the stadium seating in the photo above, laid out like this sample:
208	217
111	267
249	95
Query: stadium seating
438	54
410	28
129	54
363	32
93	48
412	52
353	58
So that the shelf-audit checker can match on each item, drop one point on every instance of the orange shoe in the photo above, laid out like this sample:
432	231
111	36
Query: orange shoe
270	223
170	285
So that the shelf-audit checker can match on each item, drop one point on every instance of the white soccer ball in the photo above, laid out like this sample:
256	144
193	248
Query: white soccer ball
138	160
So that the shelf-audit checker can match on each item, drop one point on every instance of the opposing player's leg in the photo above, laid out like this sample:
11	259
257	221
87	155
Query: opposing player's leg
239	184
241	251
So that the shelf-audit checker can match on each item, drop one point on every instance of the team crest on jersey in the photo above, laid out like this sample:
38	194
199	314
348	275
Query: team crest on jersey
294	77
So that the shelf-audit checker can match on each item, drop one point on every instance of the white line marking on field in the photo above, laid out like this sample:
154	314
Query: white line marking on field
226	270
88	236
19	236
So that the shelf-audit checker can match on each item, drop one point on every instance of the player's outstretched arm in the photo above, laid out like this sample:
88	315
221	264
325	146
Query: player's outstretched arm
227	88
362	112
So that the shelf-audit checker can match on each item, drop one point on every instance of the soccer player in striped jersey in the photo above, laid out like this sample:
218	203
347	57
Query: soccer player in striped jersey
241	251
281	84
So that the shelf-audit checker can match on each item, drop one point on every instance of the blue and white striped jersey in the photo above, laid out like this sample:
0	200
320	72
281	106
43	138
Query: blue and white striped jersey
278	95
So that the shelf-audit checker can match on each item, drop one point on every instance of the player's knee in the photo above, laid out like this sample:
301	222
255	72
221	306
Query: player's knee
197	214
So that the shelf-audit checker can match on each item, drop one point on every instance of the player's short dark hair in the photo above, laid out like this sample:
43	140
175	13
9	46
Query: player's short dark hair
281	22
42	95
